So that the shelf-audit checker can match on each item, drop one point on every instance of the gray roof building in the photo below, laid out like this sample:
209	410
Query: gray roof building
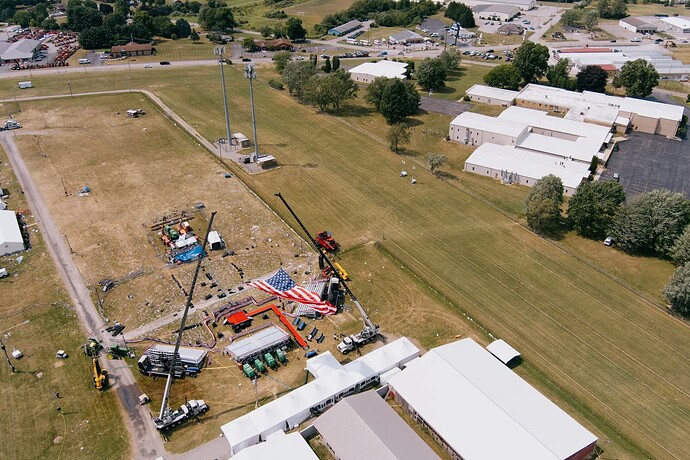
22	49
406	36
345	28
365	427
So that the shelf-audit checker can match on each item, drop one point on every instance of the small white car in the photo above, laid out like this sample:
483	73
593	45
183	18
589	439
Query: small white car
608	241
148	66
62	354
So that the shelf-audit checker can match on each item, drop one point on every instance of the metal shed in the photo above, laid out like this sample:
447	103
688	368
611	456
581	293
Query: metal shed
265	340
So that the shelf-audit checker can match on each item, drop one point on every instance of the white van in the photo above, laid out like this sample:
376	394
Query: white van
84	61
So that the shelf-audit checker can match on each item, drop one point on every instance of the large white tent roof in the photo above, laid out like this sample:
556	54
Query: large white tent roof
500	349
383	68
9	228
279	445
493	413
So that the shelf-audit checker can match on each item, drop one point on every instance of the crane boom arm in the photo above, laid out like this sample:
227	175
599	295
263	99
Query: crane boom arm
322	253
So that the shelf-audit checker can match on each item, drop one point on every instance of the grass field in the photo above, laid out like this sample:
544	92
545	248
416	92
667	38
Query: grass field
590	342
312	12
459	81
36	318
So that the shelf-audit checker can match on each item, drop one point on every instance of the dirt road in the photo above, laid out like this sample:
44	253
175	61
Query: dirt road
146	442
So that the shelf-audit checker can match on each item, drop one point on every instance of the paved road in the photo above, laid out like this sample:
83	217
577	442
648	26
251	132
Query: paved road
146	443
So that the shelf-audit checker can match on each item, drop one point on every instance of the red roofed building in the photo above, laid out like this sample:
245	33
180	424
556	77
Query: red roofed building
132	49
609	68
238	320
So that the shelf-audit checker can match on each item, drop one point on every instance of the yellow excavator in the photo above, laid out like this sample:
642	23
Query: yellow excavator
100	376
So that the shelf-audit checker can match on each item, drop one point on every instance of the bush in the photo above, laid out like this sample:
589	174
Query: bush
466	98
275	84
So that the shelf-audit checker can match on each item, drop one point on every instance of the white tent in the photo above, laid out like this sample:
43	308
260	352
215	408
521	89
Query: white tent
279	445
500	349
11	240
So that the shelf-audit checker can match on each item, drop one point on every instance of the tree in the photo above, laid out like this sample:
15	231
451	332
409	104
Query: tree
431	74
590	19
618	10
571	17
80	17
531	61
558	74
593	207
22	18
94	38
296	75
543	205
393	98
450	59
182	28
164	27
331	90
122	7
281	58
436	160
503	76
592	78
249	44
105	9
461	13
638	77
217	19
651	222
680	252
397	134
145	19
677	291
194	36
336	63
294	29
327	66
50	24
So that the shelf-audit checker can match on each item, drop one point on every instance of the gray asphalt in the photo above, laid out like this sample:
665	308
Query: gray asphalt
646	162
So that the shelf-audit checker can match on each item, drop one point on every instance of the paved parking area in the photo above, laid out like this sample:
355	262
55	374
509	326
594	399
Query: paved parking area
431	104
647	162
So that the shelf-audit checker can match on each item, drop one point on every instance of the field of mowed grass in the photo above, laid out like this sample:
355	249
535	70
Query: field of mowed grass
459	81
614	357
36	318
312	12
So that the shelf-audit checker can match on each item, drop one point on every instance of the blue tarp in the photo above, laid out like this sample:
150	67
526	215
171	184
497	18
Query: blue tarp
190	255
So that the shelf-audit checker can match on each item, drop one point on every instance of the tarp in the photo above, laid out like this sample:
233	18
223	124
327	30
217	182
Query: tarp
190	255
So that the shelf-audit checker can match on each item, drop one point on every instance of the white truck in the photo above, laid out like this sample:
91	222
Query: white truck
10	124
352	342
191	408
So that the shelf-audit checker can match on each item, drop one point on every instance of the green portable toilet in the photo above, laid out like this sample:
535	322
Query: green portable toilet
270	361
249	371
259	365
281	356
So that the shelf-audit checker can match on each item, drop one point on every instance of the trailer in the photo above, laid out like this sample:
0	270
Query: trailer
24	84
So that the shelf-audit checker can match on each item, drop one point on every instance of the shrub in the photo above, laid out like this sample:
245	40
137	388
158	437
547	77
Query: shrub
275	84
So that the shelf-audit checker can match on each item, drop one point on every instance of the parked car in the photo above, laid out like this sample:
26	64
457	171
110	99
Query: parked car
609	241
147	66
165	62
616	177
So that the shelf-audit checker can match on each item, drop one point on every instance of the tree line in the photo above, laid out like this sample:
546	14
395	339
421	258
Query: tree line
654	223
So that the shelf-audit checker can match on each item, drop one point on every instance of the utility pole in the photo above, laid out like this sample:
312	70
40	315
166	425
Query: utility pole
250	74
220	51
7	357
70	88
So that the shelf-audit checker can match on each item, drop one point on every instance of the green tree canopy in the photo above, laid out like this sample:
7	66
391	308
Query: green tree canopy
558	75
281	58
164	27
450	59
194	36
217	19
80	16
651	222
249	44
397	134
431	74
182	28
593	207
294	29
330	91
592	78
94	38
296	76
460	13
531	60
393	98
436	160
503	76
680	252
543	205
677	291
638	77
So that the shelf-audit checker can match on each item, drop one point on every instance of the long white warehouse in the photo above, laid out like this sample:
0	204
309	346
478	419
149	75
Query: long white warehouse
289	411
11	240
479	409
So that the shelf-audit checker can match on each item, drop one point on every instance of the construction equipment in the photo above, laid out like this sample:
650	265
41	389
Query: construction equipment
100	376
119	351
370	330
10	124
92	348
326	241
167	417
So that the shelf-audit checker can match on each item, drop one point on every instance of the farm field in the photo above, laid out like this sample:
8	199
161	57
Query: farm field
617	359
36	318
312	12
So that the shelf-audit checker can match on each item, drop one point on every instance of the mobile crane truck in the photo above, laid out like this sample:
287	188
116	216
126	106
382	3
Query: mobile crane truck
371	330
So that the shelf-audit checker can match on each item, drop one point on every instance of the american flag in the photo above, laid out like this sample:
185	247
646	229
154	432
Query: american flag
283	286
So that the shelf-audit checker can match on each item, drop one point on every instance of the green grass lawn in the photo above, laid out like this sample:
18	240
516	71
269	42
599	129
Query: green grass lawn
36	318
612	357
462	79
312	12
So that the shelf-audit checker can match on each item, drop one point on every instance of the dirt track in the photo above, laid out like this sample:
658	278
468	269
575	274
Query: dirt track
146	442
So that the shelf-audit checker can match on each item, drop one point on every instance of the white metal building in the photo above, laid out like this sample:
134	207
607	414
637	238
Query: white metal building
365	427
679	24
495	12
11	240
258	343
524	5
637	25
519	166
490	95
476	129
642	115
405	36
21	50
478	409
370	71
279	445
292	409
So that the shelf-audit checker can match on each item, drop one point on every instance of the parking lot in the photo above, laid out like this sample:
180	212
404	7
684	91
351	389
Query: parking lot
647	162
